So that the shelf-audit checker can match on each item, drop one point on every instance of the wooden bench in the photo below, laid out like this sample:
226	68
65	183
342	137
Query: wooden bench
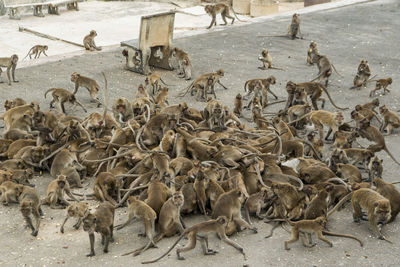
153	46
14	6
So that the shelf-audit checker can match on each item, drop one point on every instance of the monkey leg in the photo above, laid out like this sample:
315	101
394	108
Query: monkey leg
213	21
204	245
321	237
357	212
52	200
389	128
223	15
242	223
295	237
91	240
307	243
29	223
62	225
78	224
36	213
272	94
191	245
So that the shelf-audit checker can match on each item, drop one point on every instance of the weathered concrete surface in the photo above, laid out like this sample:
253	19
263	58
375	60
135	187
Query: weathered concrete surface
346	35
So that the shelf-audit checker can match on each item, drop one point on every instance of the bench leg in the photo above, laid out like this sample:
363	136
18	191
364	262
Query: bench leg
73	6
14	13
51	9
37	11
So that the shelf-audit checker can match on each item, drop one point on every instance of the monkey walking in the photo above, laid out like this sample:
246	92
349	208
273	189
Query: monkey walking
10	63
37	50
218	226
220	8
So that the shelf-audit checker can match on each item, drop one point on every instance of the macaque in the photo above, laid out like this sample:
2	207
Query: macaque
219	8
88	41
10	63
62	96
37	50
91	85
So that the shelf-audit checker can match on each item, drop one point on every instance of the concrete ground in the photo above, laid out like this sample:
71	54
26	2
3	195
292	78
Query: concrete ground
346	35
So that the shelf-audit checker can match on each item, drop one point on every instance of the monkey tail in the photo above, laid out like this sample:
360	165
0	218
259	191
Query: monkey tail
187	90
170	249
330	99
51	89
390	154
341	202
234	13
275	68
333	66
312	147
343	235
30	50
164	82
299	119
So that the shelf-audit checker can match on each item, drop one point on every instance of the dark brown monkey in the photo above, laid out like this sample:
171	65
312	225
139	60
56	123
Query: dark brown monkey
88	41
375	168
55	193
91	85
77	210
107	188
61	96
310	226
37	50
381	83
101	221
30	203
372	133
390	192
216	225
213	10
10	63
238	105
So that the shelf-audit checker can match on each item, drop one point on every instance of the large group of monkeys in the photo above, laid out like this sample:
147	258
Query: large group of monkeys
166	161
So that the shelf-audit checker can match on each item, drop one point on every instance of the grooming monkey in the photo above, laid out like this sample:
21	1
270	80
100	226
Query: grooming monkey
184	62
220	8
10	63
10	192
88	41
101	221
193	233
381	83
266	60
55	193
62	96
37	50
139	209
77	210
91	85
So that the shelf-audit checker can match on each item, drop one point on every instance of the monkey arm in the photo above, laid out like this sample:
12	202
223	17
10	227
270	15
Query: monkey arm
219	82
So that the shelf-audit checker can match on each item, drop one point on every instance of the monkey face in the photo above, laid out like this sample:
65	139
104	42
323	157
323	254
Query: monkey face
177	198
290	87
14	59
339	118
61	184
272	79
74	77
221	72
208	9
382	211
93	33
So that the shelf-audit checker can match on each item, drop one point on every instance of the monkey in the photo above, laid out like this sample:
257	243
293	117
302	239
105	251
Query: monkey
106	187
22	176
16	134
157	195
363	73
322	117
30	203
10	192
31	155
154	80
101	221
228	204
390	120
61	96
313	50
314	90
367	113
371	105
309	226
169	218
161	99
91	85
55	193
184	62
37	50
217	225
88	41
141	92
356	155
213	114
298	111
390	192
238	105
139	209
78	210
375	168
266	60
167	142
122	109
218	8
293	29
372	133
135	59
257	201
265	88
9	104
349	172
10	63
377	207
324	68
381	83
205	81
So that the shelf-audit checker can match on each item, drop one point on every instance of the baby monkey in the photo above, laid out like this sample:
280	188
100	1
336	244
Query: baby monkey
266	60
37	50
88	41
